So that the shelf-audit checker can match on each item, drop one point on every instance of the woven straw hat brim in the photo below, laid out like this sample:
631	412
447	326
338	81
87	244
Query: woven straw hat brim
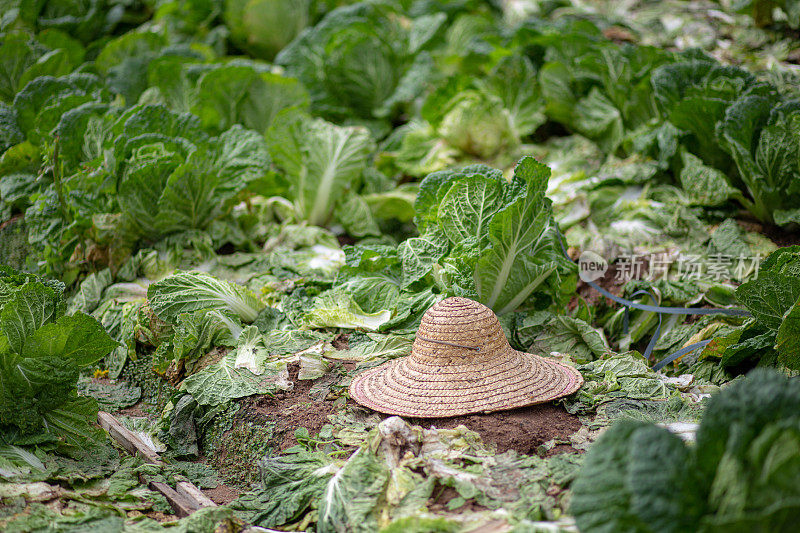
414	388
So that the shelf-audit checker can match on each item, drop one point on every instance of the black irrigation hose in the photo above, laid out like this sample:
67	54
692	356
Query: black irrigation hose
655	309
652	344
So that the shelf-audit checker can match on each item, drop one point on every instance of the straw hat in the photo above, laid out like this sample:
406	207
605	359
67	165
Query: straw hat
461	363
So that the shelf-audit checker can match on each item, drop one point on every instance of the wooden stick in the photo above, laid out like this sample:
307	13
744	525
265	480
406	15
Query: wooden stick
127	439
187	499
190	491
182	505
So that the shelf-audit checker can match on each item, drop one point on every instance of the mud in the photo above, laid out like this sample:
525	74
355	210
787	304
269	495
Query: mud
522	429
136	411
609	282
222	494
292	410
779	236
341	341
441	497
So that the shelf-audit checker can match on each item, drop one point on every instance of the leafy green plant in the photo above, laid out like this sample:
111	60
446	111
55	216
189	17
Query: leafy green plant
363	61
42	102
488	238
232	94
481	236
743	132
42	351
639	478
25	59
762	10
770	337
265	27
487	116
695	94
289	484
322	162
160	192
148	172
762	134
596	88
186	292
83	20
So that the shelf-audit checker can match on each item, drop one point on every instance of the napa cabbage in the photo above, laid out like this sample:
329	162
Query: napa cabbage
486	116
740	475
770	337
264	27
185	292
322	162
42	351
487	238
763	138
364	60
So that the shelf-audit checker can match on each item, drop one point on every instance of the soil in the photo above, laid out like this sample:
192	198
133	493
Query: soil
522	429
346	240
158	516
293	409
341	341
609	282
222	494
265	425
226	249
441	497
133	411
619	35
10	221
777	235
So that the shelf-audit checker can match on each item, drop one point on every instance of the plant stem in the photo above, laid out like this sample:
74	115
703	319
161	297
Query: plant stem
65	214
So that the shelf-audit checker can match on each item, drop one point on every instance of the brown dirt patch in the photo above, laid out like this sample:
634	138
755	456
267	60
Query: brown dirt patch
341	341
619	35
293	409
10	221
609	282
222	494
520	429
346	240
265	425
158	516
558	449
777	235
441	498
133	411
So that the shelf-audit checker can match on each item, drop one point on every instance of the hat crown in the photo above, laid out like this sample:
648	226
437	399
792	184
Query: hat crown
452	329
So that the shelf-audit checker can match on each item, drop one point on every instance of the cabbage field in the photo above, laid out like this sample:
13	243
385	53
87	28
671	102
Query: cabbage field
215	214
